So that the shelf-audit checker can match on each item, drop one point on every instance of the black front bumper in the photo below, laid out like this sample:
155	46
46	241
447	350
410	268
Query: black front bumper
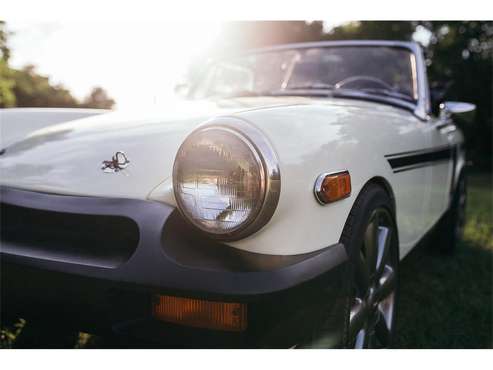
106	289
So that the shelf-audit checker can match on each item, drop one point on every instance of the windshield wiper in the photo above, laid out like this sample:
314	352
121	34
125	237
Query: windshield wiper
245	93
282	92
332	88
239	94
388	93
313	86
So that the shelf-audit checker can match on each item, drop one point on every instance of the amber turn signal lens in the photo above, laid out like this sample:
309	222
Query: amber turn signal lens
332	187
201	314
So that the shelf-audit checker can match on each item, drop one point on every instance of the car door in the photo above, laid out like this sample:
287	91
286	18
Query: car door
411	178
440	137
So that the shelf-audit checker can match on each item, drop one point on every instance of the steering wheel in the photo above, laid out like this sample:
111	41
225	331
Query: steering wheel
366	81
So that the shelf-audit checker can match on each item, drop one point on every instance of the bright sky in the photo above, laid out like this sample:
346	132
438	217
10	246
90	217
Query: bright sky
138	63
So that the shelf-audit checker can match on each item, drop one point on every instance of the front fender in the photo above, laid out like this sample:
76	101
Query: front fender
310	140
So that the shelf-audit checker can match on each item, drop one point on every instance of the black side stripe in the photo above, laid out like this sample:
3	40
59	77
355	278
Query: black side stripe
419	151
406	161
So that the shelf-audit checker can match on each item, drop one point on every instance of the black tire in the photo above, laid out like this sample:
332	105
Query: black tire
371	240
451	227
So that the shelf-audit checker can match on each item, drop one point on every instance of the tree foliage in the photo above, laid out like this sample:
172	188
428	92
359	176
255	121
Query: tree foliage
382	30
255	34
7	83
460	58
7	97
27	88
34	90
98	98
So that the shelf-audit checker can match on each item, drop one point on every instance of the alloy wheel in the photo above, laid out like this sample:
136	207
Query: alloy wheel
373	300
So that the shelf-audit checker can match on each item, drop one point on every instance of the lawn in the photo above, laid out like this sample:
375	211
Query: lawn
446	301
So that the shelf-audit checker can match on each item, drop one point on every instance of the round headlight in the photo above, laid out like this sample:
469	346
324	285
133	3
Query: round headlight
226	179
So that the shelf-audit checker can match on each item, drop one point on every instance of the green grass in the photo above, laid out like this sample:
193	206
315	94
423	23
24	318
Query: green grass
446	301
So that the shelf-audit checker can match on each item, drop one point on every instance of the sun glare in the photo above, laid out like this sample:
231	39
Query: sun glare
138	63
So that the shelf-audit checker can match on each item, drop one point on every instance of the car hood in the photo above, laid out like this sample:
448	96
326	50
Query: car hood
67	158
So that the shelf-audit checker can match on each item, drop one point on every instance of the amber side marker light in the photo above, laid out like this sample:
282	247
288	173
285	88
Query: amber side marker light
331	187
200	313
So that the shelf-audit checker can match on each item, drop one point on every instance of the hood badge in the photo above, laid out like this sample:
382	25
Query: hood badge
117	163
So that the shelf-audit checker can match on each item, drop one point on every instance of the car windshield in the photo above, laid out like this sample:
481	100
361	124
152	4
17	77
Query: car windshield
373	70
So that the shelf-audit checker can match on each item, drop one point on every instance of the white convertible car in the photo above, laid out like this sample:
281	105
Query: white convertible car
268	209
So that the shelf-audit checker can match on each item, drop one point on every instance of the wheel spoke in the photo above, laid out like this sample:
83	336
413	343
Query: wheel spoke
386	284
374	281
371	244
384	239
357	317
361	339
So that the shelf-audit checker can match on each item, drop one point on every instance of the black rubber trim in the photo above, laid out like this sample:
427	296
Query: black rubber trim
190	247
105	241
151	266
78	303
411	160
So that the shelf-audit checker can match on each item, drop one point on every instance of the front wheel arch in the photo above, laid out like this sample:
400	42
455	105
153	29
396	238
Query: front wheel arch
383	183
351	228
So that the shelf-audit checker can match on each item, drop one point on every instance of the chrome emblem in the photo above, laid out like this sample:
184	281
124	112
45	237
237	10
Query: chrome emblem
118	162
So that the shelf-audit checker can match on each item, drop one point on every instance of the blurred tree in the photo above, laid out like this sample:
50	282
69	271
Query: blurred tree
460	59
98	98
7	97
34	90
370	30
4	49
256	34
27	88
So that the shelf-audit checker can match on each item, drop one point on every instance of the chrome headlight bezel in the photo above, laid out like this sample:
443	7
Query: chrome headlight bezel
267	162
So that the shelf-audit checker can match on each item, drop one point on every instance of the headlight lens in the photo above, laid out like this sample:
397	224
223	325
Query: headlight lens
223	182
